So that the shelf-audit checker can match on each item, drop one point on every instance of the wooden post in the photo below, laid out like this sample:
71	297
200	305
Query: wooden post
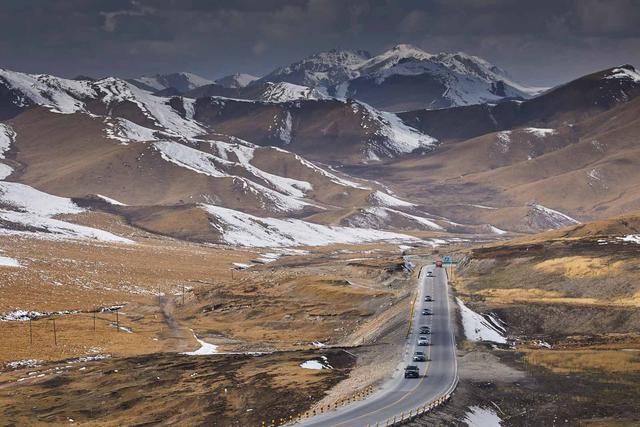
182	294
94	320
30	333
117	322
55	333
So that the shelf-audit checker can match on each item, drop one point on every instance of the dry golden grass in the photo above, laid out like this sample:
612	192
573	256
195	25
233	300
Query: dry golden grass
565	361
577	267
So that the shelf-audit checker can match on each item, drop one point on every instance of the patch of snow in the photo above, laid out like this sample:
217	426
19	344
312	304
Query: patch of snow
484	207
126	131
283	92
624	73
385	199
540	132
26	363
29	199
496	230
7	137
110	200
9	262
555	218
41	227
504	141
316	364
5	171
477	327
481	417
633	238
238	228
204	350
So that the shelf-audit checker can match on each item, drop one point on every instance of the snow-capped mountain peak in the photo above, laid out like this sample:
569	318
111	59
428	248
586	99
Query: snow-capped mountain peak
322	69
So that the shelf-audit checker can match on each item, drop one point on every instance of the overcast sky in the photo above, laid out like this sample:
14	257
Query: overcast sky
541	42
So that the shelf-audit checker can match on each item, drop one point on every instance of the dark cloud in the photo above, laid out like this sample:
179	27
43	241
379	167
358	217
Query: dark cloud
542	42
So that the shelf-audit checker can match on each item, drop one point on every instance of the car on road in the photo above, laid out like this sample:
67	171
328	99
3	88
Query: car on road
411	371
419	356
428	298
425	330
423	341
429	273
426	312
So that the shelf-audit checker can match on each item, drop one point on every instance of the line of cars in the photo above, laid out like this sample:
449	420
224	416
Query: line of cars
412	371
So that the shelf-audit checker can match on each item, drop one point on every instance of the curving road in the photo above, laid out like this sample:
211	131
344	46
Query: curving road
400	395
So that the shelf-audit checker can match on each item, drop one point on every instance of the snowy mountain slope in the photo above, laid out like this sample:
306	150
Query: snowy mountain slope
242	229
283	92
236	80
325	130
182	82
26	211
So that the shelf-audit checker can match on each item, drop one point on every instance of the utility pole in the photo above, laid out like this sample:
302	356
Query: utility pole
117	322
94	320
55	333
182	294
30	333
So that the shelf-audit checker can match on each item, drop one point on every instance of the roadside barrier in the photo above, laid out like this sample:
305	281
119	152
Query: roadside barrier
357	396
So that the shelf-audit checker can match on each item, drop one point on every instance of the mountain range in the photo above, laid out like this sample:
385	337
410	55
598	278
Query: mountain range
310	154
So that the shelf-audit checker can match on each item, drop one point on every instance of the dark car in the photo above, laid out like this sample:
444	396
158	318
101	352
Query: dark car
428	298
429	274
419	356
426	312
425	330
411	371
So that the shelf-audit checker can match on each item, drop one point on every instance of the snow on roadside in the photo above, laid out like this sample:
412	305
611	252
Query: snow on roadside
479	328
243	229
204	350
481	417
633	238
317	364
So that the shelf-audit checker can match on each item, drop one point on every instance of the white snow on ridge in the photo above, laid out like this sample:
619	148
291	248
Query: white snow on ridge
477	328
481	417
496	230
540	132
31	212
283	92
5	170
53	229
126	131
110	200
242	229
624	73
7	137
555	218
402	138
29	199
190	158
385	199
57	94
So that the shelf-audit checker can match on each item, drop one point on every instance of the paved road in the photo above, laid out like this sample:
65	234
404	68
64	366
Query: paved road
400	395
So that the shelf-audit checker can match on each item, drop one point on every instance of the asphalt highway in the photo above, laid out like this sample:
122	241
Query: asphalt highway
400	395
